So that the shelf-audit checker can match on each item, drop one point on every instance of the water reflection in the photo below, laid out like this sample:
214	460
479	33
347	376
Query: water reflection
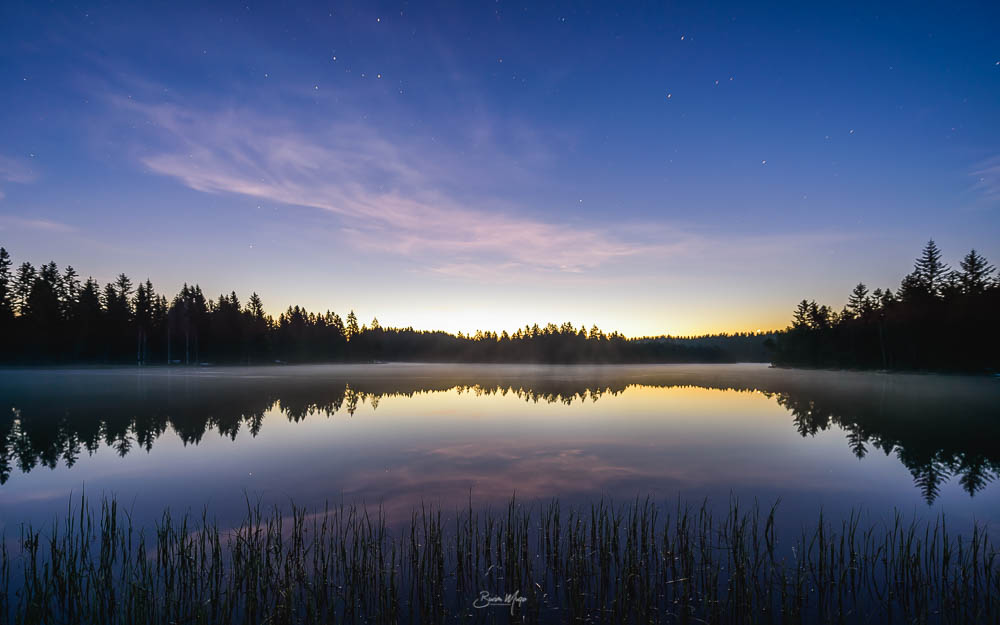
938	427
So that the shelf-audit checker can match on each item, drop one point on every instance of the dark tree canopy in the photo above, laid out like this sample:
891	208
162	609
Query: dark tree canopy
47	317
938	319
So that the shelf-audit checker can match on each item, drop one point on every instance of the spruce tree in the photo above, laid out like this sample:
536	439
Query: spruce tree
930	270
6	286
859	304
975	275
352	326
22	286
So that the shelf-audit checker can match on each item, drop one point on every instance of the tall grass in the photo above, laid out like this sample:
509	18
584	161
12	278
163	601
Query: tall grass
634	563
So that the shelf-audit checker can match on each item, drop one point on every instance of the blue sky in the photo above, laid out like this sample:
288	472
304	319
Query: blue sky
649	168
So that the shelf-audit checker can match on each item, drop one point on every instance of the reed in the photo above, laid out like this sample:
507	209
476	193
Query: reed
606	563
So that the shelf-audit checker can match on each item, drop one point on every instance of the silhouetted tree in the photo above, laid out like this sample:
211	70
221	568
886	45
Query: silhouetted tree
58	319
142	304
352	325
859	304
23	282
931	272
941	319
976	274
6	288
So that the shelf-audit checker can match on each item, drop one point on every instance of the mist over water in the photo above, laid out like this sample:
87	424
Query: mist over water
398	435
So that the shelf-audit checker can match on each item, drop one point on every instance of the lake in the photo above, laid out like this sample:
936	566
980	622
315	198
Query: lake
397	435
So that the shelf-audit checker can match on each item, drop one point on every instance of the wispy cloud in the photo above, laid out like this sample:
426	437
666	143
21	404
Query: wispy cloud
421	201
15	170
987	175
390	196
13	222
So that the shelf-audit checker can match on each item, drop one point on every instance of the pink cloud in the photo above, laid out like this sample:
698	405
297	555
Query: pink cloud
398	198
382	191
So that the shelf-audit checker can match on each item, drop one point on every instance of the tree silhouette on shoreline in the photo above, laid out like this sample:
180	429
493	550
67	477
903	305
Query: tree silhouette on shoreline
48	318
938	319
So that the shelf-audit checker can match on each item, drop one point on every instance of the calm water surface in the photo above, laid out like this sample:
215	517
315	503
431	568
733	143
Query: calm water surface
401	434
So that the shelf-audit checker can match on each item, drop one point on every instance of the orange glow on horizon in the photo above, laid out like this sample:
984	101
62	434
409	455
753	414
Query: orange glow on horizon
468	322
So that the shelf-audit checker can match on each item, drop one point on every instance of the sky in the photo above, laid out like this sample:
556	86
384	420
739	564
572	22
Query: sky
651	168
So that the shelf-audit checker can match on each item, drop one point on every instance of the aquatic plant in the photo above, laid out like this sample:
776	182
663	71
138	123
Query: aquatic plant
542	562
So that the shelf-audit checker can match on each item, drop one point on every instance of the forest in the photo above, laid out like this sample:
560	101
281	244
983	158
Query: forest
52	316
939	319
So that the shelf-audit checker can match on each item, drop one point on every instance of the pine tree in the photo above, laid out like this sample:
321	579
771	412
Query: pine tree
800	318
69	291
975	275
352	326
819	316
42	306
338	325
930	270
859	304
123	286
22	285
255	306
913	288
6	286
887	299
142	304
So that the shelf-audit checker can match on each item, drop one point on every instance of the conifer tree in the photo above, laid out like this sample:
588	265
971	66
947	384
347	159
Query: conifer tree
930	270
22	285
976	273
6	286
352	326
859	303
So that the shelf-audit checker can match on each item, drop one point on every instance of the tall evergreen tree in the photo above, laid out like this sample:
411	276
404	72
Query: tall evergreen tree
6	287
800	318
931	324
859	304
142	305
930	269
69	291
23	282
976	274
352	326
255	307
42	315
89	312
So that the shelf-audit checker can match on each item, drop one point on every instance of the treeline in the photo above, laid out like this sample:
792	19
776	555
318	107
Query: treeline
51	316
938	319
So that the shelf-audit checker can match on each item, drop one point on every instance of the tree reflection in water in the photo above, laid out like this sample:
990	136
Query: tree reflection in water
938	427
